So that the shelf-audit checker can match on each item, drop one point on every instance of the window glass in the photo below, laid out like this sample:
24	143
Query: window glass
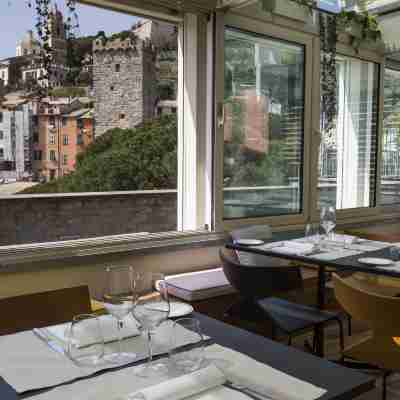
390	169
111	150
263	131
347	159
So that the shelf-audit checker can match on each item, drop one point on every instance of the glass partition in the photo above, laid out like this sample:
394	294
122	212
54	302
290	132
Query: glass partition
390	168
263	131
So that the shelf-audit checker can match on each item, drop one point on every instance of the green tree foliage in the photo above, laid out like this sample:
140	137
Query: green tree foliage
143	158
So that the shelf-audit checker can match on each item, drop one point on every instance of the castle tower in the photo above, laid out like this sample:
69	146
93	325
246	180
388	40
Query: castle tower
124	83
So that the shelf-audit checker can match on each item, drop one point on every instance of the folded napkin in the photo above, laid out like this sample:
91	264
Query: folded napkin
295	248
269	381
182	387
108	326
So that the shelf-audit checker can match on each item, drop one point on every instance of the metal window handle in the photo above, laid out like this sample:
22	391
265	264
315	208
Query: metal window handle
220	115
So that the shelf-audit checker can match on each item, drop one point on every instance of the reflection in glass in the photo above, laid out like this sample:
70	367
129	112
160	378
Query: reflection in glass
390	172
263	131
347	159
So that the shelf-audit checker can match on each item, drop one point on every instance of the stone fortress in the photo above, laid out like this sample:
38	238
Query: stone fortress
124	83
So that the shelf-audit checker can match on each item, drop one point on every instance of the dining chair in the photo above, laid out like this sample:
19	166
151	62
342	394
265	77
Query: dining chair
260	232
43	309
382	349
258	285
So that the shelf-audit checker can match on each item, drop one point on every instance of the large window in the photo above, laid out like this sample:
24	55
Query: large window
263	131
121	147
390	166
347	159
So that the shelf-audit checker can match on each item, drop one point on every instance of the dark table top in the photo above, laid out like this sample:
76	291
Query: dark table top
341	383
349	263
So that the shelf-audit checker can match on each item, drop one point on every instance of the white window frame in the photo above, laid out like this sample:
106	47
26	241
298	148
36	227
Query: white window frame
272	31
194	163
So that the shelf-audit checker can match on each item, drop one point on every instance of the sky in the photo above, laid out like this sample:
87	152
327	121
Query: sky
16	18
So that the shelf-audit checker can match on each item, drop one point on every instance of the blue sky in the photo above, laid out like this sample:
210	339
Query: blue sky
16	18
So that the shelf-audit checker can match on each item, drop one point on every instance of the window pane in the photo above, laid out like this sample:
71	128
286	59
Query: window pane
347	160
390	170
263	134
115	151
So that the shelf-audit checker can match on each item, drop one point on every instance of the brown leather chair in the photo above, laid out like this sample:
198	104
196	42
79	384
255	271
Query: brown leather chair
43	309
382	349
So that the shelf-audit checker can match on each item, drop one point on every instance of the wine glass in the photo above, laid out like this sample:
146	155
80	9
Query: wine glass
312	235
117	299
328	219
151	308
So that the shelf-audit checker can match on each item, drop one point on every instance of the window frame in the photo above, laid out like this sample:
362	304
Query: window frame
270	31
194	121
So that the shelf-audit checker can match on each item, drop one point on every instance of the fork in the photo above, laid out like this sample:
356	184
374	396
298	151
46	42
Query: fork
252	393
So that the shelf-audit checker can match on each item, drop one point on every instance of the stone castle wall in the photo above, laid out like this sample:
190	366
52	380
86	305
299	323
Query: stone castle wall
124	83
46	219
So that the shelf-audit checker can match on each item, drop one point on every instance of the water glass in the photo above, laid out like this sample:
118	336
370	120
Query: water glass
85	342
190	357
312	235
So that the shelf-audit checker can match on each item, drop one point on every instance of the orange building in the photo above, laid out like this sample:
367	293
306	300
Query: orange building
65	128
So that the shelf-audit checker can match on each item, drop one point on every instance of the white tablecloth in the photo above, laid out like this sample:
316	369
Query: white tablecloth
235	366
27	363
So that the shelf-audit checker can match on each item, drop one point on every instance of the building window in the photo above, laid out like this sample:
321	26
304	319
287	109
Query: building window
1	116
1	153
64	121
111	88
37	155
263	130
121	116
347	162
65	140
52	155
52	138
117	67
79	139
52	120
65	159
1	135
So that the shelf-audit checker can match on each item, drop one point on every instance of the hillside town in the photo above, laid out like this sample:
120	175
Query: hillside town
122	81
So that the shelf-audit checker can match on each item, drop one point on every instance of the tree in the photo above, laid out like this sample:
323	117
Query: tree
143	158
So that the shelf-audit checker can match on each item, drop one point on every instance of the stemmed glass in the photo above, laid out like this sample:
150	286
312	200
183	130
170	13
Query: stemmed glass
328	220
151	308
117	298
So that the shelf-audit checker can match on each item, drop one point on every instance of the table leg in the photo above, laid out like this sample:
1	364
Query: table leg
321	298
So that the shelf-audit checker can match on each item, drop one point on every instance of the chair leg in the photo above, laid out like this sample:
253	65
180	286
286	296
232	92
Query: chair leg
349	323
341	334
384	384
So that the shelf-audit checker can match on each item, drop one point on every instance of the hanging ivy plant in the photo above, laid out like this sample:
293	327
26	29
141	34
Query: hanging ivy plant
43	10
328	39
366	23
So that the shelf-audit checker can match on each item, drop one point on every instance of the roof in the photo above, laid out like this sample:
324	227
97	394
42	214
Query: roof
78	113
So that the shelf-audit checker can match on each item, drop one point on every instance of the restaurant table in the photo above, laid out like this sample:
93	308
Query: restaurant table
342	264
341	383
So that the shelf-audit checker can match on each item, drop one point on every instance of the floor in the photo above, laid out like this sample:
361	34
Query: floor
331	347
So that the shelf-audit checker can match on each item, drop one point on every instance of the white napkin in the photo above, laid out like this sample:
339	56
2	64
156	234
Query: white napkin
182	387
275	384
108	325
295	248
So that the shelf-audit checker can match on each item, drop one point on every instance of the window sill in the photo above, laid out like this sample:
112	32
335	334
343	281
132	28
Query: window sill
129	243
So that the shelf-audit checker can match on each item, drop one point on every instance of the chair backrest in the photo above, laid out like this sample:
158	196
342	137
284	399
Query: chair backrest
261	232
379	311
257	282
43	309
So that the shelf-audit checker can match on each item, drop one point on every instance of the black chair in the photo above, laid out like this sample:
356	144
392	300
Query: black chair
257	285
